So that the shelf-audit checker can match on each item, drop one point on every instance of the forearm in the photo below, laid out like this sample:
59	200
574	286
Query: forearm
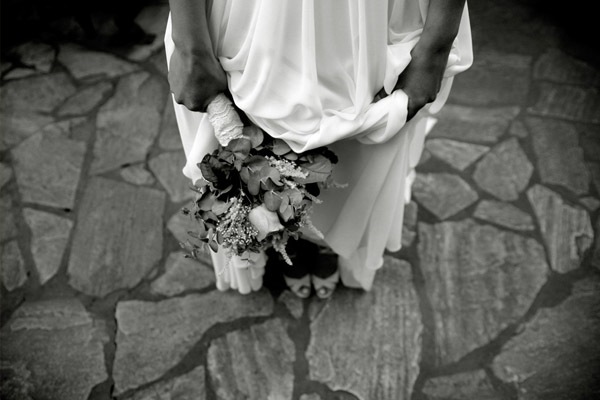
441	25
190	26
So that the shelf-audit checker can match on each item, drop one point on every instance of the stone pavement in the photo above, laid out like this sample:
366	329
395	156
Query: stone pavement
494	296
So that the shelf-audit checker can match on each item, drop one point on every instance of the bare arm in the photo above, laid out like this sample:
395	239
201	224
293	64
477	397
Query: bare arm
422	78
195	74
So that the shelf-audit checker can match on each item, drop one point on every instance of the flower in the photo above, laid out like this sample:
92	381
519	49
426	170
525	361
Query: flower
264	221
225	120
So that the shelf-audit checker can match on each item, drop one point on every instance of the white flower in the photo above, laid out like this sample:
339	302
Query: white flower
264	221
225	120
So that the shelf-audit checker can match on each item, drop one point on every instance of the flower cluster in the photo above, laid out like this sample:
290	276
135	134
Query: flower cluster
256	192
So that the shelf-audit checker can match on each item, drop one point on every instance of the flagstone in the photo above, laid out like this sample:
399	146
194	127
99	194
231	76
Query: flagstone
555	355
591	203
518	129
182	274
47	168
504	171
18	126
559	156
62	346
596	250
77	128
190	386
85	99
589	140
495	78
504	214
83	63
37	55
128	123
153	337
458	154
443	194
556	66
153	20
567	230
18	73
12	266
169	138
293	303
167	168
5	174
253	363
470	124
475	385
479	280
117	238
409	223
573	103
594	169
137	175
49	238
369	343
38	93
8	227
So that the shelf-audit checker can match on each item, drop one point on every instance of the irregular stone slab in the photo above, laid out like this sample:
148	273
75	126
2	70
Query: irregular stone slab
15	380
504	214
152	19
83	63
443	194
79	128
167	167
190	386
5	174
39	93
495	78
409	224
572	103
463	386
49	237
17	127
47	168
118	237
479	280
137	175
594	169
505	171
159	60
591	203
369	344
596	251
556	66
310	396
556	354
19	73
153	337
459	155
478	125
169	138
8	227
128	123
518	129
182	274
567	231
37	55
12	266
590	142
293	303
253	363
85	100
62	346
559	157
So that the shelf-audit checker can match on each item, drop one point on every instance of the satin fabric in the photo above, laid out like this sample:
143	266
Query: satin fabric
307	72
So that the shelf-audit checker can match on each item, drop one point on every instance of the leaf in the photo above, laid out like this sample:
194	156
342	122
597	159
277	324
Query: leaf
272	200
294	195
291	156
205	202
254	134
240	147
214	246
254	183
272	174
280	147
318	171
255	163
220	207
287	213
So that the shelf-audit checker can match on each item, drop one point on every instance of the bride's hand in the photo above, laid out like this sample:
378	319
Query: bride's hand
195	79
422	78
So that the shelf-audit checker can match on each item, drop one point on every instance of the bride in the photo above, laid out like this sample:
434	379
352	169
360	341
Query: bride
363	77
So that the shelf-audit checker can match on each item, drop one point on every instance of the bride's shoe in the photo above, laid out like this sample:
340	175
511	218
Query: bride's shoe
324	287
299	286
325	275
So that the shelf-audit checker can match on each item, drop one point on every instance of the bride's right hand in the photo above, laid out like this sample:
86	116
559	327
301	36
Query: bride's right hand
195	78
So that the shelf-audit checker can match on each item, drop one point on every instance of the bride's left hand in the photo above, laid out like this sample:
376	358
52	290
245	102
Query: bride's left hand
422	78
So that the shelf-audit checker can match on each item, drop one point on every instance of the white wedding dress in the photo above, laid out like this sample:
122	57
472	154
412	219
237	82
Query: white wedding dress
307	71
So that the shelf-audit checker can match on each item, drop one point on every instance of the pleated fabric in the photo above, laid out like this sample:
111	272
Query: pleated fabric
307	71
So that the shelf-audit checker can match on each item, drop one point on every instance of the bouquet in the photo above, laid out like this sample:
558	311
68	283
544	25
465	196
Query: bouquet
256	192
